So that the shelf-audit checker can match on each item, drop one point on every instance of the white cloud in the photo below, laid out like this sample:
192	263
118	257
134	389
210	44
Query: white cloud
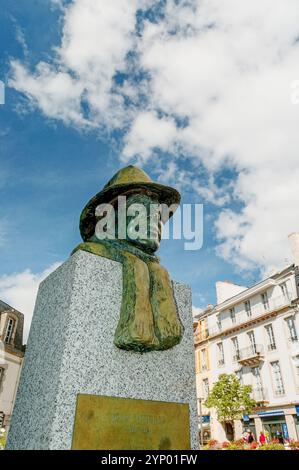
147	133
19	290
226	69
229	70
77	86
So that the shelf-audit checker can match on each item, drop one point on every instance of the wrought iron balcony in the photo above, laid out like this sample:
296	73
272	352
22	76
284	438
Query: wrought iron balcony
252	355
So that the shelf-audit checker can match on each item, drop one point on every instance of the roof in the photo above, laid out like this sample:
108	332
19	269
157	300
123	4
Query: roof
4	306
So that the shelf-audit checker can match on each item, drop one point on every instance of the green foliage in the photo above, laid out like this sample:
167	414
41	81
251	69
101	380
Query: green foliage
294	445
230	398
271	446
2	439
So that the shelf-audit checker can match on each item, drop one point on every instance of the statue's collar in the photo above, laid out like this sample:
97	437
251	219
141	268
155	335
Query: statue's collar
124	245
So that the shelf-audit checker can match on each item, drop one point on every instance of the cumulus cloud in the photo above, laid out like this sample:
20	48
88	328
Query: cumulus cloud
77	86
19	290
147	133
216	87
228	67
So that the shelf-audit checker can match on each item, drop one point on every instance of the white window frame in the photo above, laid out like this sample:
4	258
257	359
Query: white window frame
221	359
271	343
292	338
252	341
239	374
205	387
295	362
10	329
248	310
285	290
203	359
232	313
278	385
236	349
265	301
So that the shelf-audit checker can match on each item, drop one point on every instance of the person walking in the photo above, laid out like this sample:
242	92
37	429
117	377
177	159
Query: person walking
250	438
262	438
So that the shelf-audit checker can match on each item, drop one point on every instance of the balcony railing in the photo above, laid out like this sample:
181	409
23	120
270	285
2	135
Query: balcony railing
257	311
251	355
260	395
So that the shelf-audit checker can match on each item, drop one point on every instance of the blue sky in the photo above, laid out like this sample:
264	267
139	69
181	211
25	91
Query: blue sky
51	162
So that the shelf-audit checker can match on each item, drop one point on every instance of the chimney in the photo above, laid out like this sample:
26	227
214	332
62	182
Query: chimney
294	244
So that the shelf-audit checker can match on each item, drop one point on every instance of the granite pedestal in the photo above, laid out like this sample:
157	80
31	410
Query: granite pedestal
70	351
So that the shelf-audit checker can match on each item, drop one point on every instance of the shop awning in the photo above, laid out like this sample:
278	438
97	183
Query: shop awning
271	413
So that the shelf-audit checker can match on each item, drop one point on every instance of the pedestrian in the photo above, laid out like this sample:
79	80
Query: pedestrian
250	438
262	438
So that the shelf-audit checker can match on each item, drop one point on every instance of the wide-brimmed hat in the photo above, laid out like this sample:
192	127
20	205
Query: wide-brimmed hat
130	179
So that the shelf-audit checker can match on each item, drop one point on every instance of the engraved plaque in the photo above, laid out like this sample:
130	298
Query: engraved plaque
110	423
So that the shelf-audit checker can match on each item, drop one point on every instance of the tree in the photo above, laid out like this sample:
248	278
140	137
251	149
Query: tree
230	398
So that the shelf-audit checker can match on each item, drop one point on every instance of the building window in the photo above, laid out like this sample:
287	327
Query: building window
236	351
219	325
292	332
252	341
265	301
203	353
257	378
271	345
220	354
277	379
296	366
197	361
232	315
205	388
284	289
258	390
239	374
248	308
9	330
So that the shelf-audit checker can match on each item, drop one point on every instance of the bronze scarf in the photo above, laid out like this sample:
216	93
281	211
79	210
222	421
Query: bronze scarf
148	318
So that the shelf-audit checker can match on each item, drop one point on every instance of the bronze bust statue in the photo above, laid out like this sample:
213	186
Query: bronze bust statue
149	318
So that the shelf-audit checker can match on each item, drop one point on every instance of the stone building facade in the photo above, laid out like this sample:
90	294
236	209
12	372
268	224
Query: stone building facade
11	357
254	333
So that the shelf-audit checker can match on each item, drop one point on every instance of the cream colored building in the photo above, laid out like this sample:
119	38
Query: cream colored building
254	333
11	357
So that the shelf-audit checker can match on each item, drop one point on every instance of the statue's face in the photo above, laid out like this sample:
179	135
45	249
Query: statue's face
144	224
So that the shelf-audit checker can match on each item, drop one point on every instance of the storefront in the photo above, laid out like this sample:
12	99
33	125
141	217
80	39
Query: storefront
274	423
249	425
206	430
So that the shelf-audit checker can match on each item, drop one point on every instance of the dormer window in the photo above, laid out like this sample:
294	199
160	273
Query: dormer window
9	330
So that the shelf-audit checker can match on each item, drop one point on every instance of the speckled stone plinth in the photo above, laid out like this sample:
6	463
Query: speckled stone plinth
70	350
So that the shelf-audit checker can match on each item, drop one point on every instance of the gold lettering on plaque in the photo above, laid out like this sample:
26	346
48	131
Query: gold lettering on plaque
112	423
